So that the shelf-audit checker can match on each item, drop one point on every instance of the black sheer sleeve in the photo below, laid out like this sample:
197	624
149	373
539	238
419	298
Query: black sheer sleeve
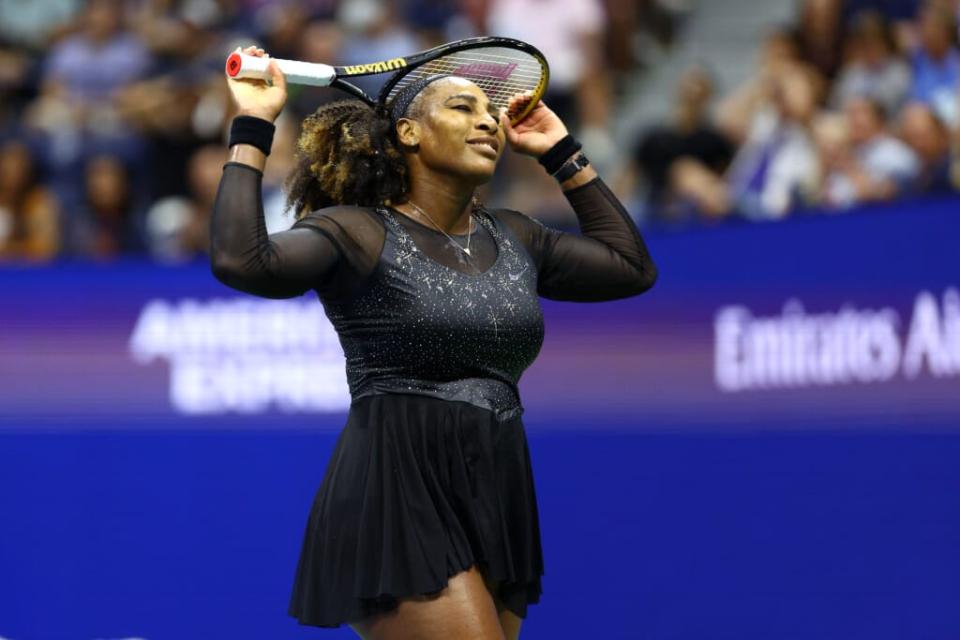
328	250
607	262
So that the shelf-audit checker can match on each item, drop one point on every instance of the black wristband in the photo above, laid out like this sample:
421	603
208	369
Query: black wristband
252	130
559	153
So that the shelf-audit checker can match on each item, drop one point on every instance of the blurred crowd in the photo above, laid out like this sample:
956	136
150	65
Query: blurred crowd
857	102
113	113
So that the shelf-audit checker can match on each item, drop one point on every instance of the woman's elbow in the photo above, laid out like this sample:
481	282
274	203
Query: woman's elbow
645	279
224	269
653	274
630	284
232	273
237	276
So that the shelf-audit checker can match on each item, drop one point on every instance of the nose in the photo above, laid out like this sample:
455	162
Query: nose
488	123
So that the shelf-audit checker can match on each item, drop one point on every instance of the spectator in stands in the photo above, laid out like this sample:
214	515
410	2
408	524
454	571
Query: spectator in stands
321	41
878	167
936	62
283	27
571	35
204	172
29	213
107	226
253	16
775	169
29	25
820	34
175	117
17	71
177	227
779	51
690	135
175	32
661	19
929	138
163	98
832	138
469	20
86	69
373	32
429	18
76	109
26	29
872	67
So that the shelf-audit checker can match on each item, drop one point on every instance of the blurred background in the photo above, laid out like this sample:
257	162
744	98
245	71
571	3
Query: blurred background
765	446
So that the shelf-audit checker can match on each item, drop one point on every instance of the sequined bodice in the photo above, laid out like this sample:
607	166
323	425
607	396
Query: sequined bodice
422	327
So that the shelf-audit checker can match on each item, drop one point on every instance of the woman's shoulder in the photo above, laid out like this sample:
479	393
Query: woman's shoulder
342	214
509	215
351	228
528	230
520	223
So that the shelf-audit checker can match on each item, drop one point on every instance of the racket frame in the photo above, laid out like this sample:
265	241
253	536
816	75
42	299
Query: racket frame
337	76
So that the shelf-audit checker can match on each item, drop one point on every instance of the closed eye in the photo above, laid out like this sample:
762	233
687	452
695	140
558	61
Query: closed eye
463	107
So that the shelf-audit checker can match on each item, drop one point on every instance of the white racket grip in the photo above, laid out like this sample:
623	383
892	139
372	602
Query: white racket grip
240	65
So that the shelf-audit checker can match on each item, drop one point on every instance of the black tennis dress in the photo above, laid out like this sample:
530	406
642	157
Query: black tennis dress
431	473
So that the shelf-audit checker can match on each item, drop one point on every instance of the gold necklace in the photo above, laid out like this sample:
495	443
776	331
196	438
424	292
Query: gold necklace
455	243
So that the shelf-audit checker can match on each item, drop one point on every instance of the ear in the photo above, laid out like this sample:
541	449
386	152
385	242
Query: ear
408	132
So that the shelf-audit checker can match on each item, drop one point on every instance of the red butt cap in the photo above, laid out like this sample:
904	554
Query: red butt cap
234	64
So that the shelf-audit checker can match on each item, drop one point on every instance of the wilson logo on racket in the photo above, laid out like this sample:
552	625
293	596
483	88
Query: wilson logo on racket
485	70
376	67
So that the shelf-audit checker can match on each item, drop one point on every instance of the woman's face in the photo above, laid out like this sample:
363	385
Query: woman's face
455	130
16	167
107	186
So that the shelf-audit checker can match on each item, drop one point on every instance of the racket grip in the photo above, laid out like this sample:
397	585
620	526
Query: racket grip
243	66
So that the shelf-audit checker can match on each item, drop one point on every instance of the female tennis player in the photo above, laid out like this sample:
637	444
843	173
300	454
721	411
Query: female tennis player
425	524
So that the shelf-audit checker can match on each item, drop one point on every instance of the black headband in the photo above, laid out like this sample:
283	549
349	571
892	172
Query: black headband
402	101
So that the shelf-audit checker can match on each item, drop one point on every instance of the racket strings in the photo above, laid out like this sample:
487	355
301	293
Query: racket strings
500	72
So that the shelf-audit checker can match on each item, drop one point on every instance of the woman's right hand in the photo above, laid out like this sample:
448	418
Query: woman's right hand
259	98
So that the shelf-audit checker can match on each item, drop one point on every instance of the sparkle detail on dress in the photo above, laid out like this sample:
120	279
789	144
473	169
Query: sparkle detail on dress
422	327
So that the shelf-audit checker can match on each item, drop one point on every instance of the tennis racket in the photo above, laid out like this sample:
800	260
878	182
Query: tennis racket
502	67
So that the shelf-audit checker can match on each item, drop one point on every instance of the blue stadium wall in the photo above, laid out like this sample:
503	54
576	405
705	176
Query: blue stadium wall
766	445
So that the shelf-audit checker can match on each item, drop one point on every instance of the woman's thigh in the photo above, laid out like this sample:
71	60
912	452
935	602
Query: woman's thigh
464	609
510	623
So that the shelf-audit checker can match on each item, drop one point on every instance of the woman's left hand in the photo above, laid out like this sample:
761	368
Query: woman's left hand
536	133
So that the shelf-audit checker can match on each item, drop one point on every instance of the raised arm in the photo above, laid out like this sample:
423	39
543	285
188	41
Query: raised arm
609	260
242	255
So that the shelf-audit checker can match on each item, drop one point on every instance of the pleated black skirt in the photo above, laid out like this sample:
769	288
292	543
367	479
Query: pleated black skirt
417	490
